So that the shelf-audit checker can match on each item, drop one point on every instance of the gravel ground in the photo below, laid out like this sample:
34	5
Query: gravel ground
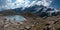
29	24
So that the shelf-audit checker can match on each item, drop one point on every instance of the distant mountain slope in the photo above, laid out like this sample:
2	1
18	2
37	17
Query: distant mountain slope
37	10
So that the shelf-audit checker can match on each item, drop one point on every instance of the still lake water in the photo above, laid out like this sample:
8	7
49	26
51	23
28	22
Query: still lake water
16	17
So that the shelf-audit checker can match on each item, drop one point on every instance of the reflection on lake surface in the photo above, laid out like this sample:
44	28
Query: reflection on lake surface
16	17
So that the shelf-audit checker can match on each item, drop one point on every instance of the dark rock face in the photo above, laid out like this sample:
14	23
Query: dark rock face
47	27
58	28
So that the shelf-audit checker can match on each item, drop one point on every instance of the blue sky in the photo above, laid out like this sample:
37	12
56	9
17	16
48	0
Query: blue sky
56	4
13	0
2	2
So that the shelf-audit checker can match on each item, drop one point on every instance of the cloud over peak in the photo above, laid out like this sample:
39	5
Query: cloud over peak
24	3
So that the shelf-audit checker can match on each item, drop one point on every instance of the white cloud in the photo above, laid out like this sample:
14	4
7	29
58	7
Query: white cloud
25	3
